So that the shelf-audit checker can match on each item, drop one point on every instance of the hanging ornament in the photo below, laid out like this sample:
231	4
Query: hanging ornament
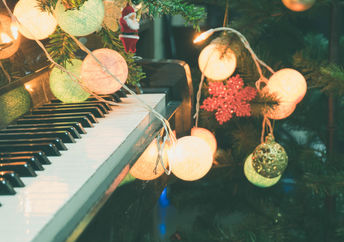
191	158
298	5
289	86
83	21
229	99
112	15
145	168
129	29
256	179
217	61
207	136
9	37
94	76
34	23
64	87
269	159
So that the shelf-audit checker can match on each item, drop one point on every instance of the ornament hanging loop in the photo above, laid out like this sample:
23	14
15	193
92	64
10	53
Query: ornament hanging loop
266	122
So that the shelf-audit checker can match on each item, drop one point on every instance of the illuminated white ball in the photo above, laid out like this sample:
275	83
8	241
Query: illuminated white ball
281	111
144	167
298	5
217	62
96	79
255	178
9	34
288	85
83	21
64	87
34	23
191	158
207	136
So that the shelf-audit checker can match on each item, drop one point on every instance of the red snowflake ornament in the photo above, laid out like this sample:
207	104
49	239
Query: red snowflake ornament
229	99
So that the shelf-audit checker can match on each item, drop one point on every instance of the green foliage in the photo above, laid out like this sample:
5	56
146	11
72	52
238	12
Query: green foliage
191	13
61	47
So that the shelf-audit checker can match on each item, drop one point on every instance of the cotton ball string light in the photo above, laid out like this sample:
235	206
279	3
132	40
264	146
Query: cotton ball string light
191	158
9	37
269	159
217	61
83	21
207	136
34	23
64	87
289	86
298	5
256	179
96	78
112	15
144	167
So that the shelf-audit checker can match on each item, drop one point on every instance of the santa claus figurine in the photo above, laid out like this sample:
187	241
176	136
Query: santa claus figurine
129	28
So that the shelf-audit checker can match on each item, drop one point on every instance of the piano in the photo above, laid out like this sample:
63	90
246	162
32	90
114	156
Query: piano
53	187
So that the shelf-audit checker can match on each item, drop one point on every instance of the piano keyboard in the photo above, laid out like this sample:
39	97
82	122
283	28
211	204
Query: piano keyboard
50	190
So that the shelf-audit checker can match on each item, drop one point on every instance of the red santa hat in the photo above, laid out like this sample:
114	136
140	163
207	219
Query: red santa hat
128	11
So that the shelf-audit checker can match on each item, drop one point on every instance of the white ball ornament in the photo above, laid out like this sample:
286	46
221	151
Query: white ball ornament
191	158
298	5
83	21
207	136
255	178
34	23
96	79
144	167
216	61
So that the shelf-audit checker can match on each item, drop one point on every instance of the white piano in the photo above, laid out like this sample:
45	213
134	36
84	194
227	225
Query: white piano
60	201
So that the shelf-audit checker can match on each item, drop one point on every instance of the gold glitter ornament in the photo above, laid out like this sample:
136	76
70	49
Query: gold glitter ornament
269	159
112	15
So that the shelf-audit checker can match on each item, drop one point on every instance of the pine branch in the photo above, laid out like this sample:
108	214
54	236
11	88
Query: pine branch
61	47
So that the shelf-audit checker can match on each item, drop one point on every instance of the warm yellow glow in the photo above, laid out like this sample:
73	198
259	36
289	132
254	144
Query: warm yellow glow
298	5
5	38
9	36
288	85
34	23
112	15
144	167
191	158
216	61
203	36
207	136
96	79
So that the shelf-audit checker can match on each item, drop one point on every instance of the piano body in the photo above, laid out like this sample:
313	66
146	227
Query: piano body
54	186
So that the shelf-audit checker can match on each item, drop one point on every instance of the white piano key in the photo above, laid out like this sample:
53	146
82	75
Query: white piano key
41	209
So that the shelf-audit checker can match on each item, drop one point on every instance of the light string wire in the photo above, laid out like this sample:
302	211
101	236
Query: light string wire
169	136
258	62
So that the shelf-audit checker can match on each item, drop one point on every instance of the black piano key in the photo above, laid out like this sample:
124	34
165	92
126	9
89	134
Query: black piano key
22	168
78	126
48	148
70	129
36	165
65	136
56	141
46	113
117	97
85	122
101	105
13	178
95	110
40	155
5	187
121	93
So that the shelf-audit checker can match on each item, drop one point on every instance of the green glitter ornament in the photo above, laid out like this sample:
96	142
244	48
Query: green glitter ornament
269	159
